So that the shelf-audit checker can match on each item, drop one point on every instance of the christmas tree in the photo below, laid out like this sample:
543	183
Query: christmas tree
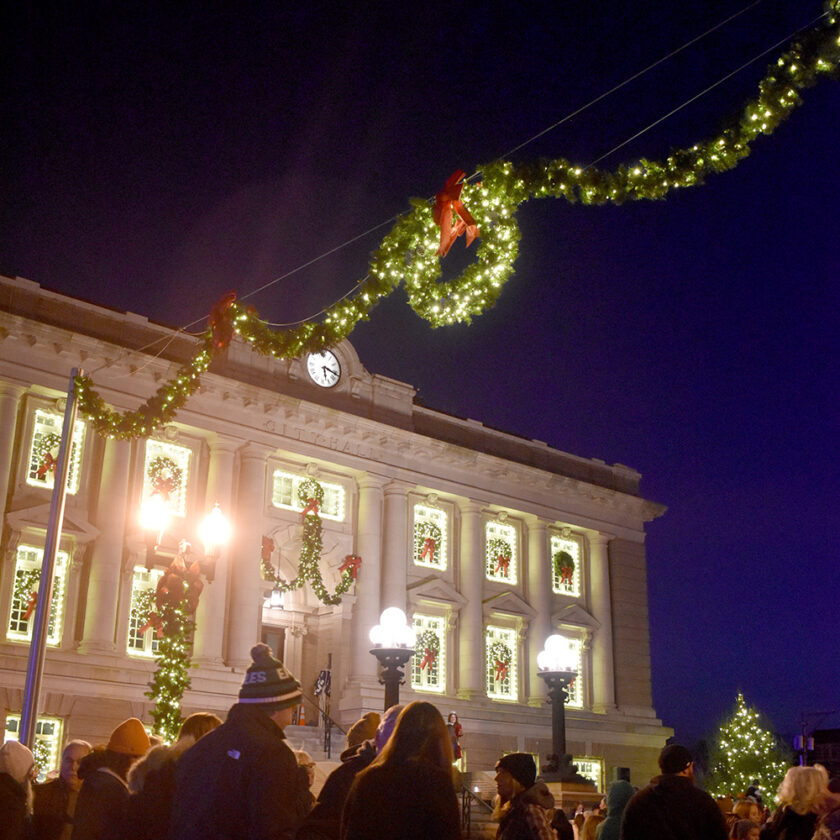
744	752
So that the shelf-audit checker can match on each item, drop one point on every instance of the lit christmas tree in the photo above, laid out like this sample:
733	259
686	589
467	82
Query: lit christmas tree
744	752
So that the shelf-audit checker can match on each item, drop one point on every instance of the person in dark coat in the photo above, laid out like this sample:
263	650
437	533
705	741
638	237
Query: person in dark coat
561	825
242	780
55	800
17	767
103	799
618	796
406	793
525	806
671	806
802	796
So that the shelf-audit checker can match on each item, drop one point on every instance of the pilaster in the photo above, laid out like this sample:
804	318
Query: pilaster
540	598
471	636
603	676
10	395
395	538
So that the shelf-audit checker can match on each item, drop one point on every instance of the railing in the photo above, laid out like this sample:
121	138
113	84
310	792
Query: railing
326	721
467	799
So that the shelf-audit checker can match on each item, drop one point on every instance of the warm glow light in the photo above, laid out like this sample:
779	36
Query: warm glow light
154	514
392	630
559	655
215	530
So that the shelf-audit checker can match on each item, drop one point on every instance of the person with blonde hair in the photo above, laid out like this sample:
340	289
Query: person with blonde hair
17	769
406	793
801	796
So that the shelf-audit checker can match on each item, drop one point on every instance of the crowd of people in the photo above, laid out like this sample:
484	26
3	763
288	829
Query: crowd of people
240	779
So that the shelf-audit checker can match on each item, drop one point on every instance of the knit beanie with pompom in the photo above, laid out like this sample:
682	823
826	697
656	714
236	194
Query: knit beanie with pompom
267	683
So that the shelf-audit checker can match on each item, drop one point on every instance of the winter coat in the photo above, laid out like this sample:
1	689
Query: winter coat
786	824
412	800
103	801
828	828
672	808
528	815
619	794
561	825
13	817
239	781
53	807
324	821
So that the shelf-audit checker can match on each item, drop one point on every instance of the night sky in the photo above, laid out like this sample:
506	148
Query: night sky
154	157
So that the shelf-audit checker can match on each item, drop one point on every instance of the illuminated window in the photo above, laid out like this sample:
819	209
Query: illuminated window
431	536
43	452
48	738
428	666
502	666
500	552
284	494
574	693
590	768
25	590
166	472
142	637
565	565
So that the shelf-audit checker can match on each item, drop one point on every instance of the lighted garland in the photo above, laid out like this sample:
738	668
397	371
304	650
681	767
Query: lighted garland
500	652
427	540
498	548
408	255
311	497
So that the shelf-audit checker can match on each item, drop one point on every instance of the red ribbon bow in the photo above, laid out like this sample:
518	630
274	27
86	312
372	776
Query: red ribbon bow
566	573
447	202
428	659
502	564
30	605
219	320
501	669
351	562
311	505
154	620
47	465
429	548
267	549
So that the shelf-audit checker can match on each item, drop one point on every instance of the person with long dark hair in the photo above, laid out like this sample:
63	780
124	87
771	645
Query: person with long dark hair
406	793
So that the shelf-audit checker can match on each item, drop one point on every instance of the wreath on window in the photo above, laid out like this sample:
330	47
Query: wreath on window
429	643
427	541
500	553
500	657
564	566
44	457
26	590
165	476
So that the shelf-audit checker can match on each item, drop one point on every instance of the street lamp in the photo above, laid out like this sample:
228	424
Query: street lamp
154	517
215	532
556	666
393	645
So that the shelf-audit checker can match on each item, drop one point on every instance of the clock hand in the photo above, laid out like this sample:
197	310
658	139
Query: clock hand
328	370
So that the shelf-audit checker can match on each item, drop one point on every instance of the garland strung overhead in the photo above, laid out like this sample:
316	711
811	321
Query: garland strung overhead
410	252
311	497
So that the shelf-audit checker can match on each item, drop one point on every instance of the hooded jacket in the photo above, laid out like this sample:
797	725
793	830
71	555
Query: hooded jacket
528	815
619	794
103	799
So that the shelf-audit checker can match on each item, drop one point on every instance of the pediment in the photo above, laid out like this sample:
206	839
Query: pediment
434	591
37	518
576	616
508	604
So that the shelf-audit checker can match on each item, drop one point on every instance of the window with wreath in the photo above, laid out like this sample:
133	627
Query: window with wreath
574	692
166	473
25	584
428	665
501	655
48	739
500	555
565	565
143	635
284	494
43	451
431	536
592	768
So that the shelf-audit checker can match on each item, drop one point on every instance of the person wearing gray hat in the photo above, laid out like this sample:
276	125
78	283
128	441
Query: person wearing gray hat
525	806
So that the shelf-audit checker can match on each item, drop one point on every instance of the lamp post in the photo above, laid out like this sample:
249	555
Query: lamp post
154	517
215	532
556	667
393	645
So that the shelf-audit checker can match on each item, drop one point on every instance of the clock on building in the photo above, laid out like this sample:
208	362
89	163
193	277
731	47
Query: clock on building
323	368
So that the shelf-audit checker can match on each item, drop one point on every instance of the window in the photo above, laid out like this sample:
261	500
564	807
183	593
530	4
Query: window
565	565
43	452
166	472
500	552
431	536
284	494
48	738
590	768
574	693
25	590
142	638
428	666
501	663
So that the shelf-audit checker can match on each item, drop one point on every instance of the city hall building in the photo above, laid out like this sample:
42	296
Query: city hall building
489	542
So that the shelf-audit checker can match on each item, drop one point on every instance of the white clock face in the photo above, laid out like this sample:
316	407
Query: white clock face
323	368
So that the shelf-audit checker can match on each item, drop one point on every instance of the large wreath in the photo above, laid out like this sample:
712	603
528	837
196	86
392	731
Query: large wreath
424	531
44	447
165	475
428	644
564	566
500	554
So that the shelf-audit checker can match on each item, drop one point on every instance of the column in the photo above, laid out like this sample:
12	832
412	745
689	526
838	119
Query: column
112	512
210	615
471	634
369	547
395	536
9	404
245	582
541	598
603	676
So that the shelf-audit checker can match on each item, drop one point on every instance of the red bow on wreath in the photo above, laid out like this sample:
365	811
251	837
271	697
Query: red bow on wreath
502	564
447	201
428	659
47	465
429	548
267	549
501	669
566	573
154	620
351	563
311	505
30	605
220	323
179	583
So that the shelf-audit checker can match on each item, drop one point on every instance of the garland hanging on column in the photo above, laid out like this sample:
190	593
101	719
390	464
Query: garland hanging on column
409	253
311	497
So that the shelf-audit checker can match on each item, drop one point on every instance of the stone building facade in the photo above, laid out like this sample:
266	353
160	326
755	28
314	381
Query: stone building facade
504	513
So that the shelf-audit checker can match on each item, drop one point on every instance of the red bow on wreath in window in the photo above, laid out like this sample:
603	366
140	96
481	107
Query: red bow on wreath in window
31	603
351	563
501	669
502	565
311	507
428	658
429	547
47	465
154	620
566	573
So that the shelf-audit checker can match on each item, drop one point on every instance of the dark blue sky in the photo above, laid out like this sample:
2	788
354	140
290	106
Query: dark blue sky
154	158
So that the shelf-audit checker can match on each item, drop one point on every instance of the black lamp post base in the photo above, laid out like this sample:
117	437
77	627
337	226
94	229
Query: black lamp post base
560	769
